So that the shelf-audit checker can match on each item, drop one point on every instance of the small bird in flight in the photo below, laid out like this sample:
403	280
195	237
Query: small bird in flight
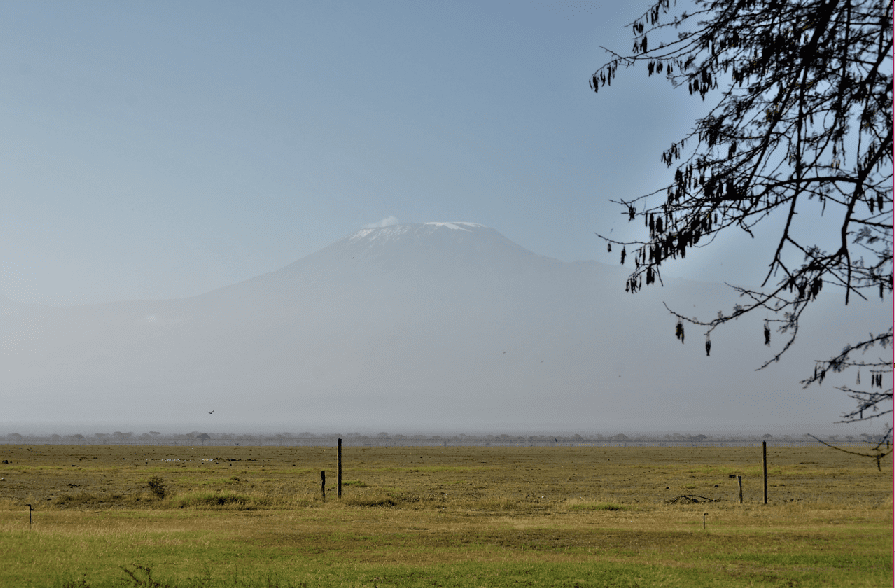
212	412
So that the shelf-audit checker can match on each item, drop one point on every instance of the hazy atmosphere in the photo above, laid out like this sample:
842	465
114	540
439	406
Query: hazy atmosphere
363	217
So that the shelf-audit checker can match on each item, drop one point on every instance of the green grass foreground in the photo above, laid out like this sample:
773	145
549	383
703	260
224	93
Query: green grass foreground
441	517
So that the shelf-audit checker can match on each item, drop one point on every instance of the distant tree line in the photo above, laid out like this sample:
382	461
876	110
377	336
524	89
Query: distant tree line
385	439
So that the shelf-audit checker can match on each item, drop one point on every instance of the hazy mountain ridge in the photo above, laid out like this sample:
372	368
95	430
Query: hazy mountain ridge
446	323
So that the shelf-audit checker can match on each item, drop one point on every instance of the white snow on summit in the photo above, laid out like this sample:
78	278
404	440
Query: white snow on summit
384	233
455	225
392	231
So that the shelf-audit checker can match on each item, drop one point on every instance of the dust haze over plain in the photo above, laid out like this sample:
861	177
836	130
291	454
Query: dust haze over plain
225	207
430	326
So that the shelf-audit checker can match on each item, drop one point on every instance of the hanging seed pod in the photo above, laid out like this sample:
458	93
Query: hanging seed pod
708	346
858	382
609	247
652	223
879	202
659	225
679	331
880	290
767	334
623	255
631	213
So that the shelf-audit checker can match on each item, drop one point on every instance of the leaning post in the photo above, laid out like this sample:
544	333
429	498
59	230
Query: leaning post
740	484
340	467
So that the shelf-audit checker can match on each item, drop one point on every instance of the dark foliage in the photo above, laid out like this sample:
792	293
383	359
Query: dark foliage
157	486
803	128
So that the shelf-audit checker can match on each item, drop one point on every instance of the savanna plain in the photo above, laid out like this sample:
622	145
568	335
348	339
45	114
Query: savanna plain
162	516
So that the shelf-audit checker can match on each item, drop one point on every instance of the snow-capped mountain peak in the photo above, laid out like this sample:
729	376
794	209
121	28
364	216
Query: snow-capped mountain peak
393	231
384	233
457	226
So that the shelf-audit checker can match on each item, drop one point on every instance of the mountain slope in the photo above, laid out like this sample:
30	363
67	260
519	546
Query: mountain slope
436	325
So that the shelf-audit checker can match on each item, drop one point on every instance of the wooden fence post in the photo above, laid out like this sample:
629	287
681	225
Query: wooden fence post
740	484
323	485
340	467
764	468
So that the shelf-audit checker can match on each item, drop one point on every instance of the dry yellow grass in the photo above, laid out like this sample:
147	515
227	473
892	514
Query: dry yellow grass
533	479
828	518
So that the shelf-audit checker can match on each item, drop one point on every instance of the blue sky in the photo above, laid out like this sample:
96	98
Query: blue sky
159	150
165	149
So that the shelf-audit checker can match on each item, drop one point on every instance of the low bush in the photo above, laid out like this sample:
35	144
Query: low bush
221	500
600	506
157	486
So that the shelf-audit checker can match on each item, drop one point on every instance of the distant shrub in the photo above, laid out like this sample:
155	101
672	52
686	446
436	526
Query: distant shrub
222	500
157	486
371	501
602	506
